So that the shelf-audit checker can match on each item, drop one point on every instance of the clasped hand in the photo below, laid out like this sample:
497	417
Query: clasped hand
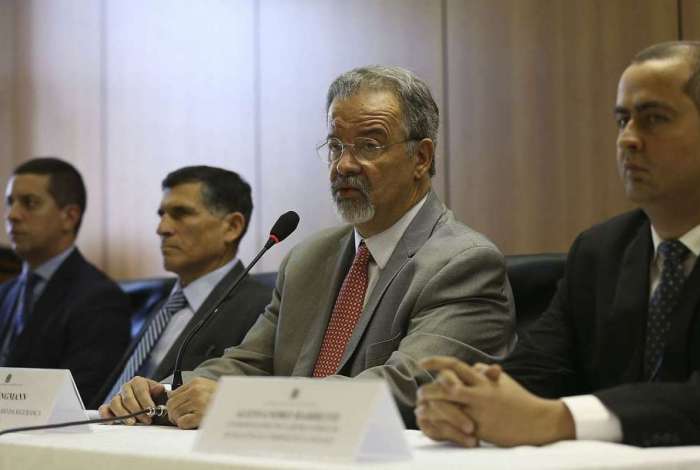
467	403
186	405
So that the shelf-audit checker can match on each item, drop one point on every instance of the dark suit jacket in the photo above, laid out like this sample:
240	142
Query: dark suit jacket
235	317
591	338
80	322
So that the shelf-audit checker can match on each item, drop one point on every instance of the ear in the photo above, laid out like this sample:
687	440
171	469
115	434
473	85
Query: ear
424	154
234	224
70	216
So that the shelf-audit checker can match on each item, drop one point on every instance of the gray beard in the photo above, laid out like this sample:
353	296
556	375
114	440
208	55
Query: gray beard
353	211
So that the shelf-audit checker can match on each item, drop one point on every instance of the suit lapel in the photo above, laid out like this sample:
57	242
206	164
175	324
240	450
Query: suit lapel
8	306
218	294
675	360
624	362
55	290
415	236
333	272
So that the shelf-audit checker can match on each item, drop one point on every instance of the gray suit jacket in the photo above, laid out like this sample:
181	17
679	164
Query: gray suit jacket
443	291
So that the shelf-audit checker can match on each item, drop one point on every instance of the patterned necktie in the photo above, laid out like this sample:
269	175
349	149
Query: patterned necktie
26	302
346	312
155	328
663	301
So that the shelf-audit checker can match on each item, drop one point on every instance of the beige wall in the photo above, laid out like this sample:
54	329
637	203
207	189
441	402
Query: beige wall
7	92
129	90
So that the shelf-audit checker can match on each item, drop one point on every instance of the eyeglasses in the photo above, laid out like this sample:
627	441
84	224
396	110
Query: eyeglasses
364	149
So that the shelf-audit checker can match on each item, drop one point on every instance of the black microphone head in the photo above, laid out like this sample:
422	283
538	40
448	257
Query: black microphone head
284	226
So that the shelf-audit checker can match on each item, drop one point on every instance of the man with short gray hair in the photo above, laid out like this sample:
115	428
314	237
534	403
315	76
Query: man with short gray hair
402	281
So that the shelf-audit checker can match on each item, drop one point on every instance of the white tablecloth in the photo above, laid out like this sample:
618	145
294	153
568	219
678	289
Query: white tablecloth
154	447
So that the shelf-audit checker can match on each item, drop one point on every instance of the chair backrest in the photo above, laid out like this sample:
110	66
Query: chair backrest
534	280
10	264
144	295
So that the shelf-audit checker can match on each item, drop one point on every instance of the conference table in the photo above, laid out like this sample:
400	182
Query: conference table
162	447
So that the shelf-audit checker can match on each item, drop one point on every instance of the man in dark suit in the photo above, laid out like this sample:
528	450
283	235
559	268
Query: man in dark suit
61	312
204	214
401	280
621	338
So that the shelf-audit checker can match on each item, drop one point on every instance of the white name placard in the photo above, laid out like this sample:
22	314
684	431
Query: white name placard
304	418
34	397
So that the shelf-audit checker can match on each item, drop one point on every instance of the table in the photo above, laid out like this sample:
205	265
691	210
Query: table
156	447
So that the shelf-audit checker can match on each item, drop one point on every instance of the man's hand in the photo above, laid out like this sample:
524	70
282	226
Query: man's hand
187	404
135	395
482	401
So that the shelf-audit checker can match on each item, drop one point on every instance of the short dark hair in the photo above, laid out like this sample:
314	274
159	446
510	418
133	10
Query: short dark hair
223	191
688	50
65	183
421	116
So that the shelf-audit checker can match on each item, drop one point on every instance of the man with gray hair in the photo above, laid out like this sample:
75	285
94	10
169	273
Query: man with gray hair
404	280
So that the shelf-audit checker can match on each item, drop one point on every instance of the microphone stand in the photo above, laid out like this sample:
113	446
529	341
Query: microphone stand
177	371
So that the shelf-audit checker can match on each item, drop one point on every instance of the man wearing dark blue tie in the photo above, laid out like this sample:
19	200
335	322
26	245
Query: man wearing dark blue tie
61	312
616	356
204	214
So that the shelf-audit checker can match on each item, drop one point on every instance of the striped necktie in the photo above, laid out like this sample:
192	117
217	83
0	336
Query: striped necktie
155	328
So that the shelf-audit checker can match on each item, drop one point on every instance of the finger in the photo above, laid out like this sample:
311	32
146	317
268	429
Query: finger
467	374
132	404
440	430
189	420
142	394
493	372
117	408
455	415
433	391
105	412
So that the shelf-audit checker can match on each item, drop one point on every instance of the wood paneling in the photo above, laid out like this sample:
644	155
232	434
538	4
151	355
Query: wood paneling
58	97
532	87
130	90
304	45
179	91
690	19
7	87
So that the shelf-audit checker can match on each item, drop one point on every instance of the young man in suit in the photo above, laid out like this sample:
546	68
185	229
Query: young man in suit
621	338
401	281
61	312
204	214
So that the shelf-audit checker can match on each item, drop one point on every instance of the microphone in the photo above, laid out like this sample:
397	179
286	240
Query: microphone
284	226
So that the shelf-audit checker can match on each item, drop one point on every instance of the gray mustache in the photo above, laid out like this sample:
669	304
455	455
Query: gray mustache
355	182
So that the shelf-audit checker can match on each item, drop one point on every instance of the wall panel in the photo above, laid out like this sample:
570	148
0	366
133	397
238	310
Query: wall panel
532	87
58	97
179	91
8	9
304	45
690	18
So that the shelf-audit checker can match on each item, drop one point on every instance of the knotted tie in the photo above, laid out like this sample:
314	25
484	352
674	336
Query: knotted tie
663	301
22	311
26	302
346	312
155	328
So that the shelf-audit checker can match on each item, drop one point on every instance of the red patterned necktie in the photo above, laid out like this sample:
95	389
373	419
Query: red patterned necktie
346	312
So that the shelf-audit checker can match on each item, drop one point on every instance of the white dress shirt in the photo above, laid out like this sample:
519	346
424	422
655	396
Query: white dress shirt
381	246
592	419
46	271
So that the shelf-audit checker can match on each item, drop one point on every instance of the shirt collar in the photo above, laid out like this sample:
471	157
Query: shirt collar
382	245
691	240
198	290
49	268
